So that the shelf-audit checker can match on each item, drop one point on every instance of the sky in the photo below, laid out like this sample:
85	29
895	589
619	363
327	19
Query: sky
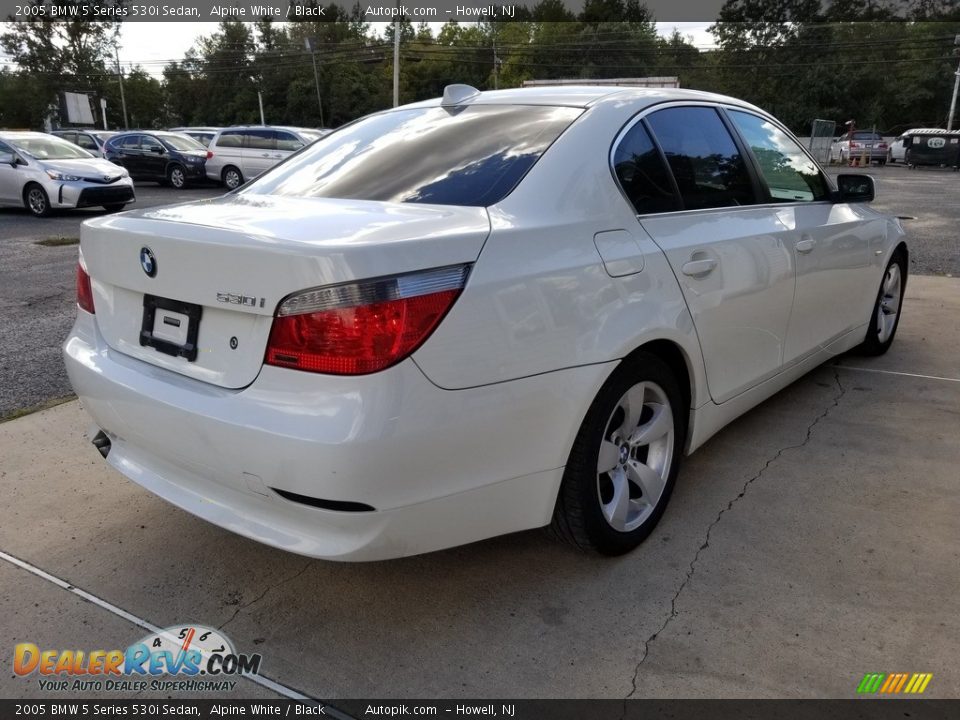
152	45
139	40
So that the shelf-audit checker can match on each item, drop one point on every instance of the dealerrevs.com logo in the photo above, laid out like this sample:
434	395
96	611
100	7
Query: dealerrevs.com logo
188	658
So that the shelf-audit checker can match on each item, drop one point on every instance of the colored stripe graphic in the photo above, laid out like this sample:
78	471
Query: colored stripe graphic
894	683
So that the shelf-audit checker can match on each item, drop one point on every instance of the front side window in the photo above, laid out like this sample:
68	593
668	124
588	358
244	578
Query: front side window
86	142
789	173
473	155
150	144
183	143
642	174
287	141
704	160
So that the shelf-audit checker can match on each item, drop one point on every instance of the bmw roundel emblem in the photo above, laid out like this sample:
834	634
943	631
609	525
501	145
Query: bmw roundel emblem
148	262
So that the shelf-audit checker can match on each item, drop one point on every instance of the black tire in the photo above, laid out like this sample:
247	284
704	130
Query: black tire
36	201
875	343
232	177
177	177
578	517
115	207
881	163
843	160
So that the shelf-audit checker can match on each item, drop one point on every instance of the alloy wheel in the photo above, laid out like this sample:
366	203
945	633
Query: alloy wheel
177	178
636	454
37	201
889	306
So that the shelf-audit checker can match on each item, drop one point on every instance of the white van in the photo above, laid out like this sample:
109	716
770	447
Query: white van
242	153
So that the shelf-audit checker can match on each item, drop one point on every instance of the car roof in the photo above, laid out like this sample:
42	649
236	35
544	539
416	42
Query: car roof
198	128
584	96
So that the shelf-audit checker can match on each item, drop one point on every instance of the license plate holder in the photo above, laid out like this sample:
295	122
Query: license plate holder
171	338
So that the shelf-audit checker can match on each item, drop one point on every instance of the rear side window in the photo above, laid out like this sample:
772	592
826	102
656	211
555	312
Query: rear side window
472	155
789	174
642	174
705	161
230	139
130	142
260	140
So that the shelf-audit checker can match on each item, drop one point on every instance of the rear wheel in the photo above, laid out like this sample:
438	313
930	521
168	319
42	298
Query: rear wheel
886	310
625	460
177	177
232	177
36	201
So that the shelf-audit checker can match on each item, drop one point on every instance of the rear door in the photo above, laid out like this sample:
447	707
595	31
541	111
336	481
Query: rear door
731	257
830	241
88	143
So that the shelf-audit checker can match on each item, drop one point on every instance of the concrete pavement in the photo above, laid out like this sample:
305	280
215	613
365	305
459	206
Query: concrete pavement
810	542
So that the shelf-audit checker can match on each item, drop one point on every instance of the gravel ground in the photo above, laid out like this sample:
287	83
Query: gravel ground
37	282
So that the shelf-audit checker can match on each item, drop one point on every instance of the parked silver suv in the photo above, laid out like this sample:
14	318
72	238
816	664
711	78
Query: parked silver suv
242	153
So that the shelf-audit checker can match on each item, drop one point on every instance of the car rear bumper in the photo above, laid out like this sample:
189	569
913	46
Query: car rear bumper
421	468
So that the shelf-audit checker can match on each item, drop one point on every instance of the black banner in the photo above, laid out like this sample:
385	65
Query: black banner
366	10
860	709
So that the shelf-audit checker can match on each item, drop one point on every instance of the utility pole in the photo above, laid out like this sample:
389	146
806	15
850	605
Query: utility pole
396	57
123	99
496	61
956	85
316	76
260	100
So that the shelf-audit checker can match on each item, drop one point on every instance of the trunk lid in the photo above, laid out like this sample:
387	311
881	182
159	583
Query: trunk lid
231	260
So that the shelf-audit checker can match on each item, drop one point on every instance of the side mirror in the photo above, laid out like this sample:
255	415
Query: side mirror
855	188
8	159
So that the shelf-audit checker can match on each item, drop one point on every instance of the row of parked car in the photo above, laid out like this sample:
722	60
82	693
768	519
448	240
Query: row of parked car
917	146
76	168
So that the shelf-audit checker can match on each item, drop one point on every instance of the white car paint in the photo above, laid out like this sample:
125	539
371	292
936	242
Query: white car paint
468	437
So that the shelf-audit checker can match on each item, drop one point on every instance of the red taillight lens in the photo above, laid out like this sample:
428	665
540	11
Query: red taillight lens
882	145
364	327
209	154
84	290
854	146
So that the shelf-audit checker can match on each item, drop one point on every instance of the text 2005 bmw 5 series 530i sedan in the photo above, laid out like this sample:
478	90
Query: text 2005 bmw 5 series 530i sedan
475	315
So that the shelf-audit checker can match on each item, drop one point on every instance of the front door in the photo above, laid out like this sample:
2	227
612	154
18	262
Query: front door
733	261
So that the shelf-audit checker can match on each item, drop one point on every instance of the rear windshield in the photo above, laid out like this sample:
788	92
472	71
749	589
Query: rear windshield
446	156
866	136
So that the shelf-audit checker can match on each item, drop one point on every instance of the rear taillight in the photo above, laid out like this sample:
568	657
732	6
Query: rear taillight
84	290
362	327
209	154
854	146
882	145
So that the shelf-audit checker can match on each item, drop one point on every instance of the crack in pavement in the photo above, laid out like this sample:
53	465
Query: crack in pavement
706	540
261	596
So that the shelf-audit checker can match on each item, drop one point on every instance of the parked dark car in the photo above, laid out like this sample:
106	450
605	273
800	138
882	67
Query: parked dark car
169	158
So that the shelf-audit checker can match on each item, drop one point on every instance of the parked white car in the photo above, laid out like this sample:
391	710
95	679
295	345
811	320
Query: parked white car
239	154
476	315
43	173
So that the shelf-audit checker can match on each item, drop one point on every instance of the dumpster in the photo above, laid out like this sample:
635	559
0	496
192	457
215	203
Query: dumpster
932	147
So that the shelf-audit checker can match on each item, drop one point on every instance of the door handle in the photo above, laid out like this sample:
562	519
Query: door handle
699	268
806	245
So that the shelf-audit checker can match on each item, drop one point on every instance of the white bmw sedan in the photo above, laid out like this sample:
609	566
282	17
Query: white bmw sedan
44	173
475	315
